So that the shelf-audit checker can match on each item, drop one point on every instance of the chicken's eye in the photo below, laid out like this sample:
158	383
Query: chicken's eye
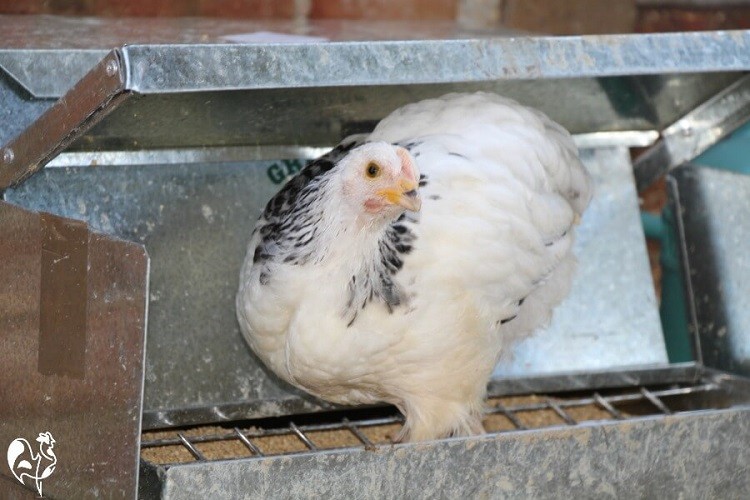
373	170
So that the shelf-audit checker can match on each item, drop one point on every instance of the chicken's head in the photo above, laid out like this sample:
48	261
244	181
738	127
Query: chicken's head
380	179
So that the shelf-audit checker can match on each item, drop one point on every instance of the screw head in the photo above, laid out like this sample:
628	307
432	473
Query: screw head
8	155
112	67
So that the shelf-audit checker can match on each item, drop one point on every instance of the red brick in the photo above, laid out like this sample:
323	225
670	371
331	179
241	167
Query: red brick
384	9
249	9
253	9
480	14
654	198
70	7
144	8
657	20
570	17
29	6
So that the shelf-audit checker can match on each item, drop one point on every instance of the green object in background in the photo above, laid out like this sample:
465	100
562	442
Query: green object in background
732	153
672	310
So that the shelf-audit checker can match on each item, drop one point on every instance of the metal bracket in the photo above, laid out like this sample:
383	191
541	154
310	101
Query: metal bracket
84	105
695	132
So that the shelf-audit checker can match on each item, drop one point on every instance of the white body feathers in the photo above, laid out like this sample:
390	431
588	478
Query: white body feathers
490	259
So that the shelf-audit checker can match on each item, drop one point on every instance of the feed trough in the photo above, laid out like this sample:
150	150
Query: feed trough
131	179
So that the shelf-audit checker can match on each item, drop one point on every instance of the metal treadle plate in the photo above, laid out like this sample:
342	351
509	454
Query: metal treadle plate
72	333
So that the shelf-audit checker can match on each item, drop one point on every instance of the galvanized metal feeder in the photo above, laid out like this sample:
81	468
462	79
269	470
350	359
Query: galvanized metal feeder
159	159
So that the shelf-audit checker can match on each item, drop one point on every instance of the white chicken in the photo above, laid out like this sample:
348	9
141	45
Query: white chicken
352	293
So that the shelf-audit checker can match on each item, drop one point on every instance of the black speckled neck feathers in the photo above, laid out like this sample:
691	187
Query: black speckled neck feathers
289	233
292	219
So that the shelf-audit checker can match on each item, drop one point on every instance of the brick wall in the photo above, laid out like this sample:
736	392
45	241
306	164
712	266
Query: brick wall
549	16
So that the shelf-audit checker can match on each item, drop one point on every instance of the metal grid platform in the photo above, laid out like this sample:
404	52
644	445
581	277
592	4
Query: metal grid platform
684	438
538	411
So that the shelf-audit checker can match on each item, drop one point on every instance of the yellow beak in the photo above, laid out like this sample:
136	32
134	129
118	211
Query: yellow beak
405	195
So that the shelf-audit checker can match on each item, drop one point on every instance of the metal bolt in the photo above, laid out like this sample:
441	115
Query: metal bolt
8	155
111	67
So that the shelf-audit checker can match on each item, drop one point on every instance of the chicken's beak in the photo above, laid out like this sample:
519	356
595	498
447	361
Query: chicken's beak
409	182
405	195
409	198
